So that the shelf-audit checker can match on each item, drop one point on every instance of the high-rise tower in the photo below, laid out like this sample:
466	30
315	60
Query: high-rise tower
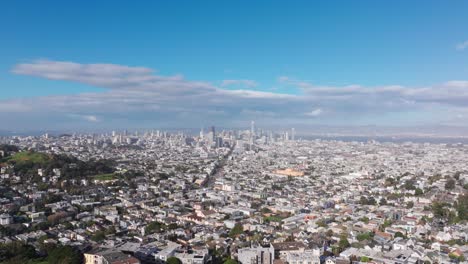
252	128
214	133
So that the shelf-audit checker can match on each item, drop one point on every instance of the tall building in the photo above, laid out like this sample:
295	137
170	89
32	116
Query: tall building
252	129
213	133
219	142
201	133
293	134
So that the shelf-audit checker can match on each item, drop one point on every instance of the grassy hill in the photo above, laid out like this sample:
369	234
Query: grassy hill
26	163
28	156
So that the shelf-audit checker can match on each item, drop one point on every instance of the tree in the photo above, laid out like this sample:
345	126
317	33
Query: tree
364	236
236	230
399	234
230	261
439	210
55	218
363	200
461	258
383	201
367	201
173	260
321	223
386	223
343	243
153	227
418	192
462	207
409	185
410	205
16	252
365	259
98	236
450	184
364	219
390	181
64	254
110	230
172	226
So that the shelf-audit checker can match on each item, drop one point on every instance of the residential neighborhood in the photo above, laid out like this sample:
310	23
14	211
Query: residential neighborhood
244	196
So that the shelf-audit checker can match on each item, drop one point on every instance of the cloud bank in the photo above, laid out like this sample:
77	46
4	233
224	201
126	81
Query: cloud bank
139	97
462	46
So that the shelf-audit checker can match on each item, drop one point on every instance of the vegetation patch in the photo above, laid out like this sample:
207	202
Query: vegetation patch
273	218
28	157
105	177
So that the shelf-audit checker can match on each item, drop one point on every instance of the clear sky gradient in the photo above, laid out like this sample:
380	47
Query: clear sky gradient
280	48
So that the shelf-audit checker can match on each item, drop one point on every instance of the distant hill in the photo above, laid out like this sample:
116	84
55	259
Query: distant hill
27	163
28	157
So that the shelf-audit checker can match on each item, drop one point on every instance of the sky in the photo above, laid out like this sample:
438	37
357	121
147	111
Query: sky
168	64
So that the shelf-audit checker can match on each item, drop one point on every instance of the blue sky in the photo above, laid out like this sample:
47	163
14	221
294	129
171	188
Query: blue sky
276	47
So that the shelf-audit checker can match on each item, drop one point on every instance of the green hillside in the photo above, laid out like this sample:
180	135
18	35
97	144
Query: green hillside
29	157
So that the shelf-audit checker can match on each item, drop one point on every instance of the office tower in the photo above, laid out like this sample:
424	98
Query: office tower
252	129
293	134
201	133
213	132
219	142
113	133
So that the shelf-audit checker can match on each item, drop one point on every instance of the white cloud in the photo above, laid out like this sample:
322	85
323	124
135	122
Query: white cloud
91	118
314	113
258	94
457	84
137	94
14	106
88	118
462	46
